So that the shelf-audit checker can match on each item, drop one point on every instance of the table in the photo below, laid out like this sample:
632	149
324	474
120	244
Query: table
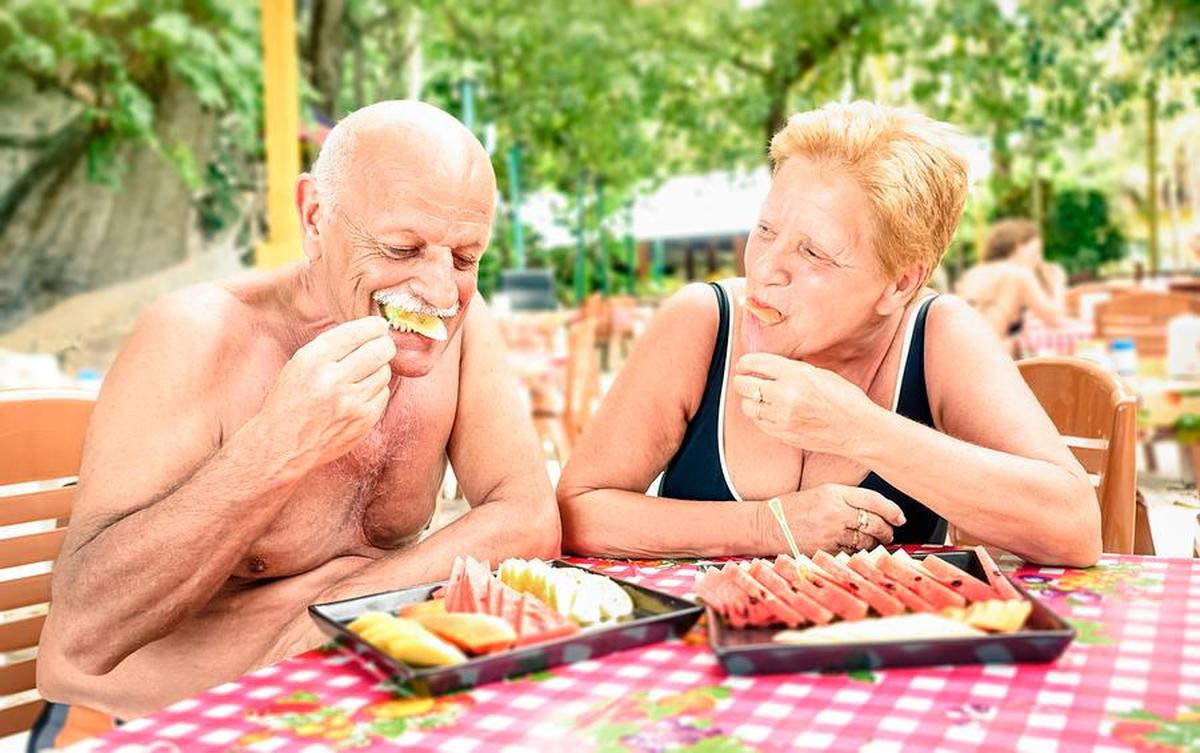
1039	339
1130	681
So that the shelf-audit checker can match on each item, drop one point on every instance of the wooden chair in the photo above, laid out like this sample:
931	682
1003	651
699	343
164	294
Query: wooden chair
1096	415
41	442
583	375
1143	317
1113	288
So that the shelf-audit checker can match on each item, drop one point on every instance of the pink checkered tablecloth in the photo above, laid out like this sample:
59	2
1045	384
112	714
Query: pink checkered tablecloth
1038	339
1130	681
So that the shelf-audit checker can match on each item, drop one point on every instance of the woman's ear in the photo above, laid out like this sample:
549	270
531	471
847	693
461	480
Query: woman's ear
901	290
308	205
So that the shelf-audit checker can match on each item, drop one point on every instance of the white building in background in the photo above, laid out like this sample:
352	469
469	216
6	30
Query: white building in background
703	220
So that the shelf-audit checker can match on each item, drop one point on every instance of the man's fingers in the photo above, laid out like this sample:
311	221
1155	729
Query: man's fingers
877	503
376	381
343	339
367	358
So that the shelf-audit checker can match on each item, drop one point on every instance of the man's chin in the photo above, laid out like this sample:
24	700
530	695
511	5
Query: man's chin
413	364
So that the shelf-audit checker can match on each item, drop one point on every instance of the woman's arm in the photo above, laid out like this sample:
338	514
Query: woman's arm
636	431
999	471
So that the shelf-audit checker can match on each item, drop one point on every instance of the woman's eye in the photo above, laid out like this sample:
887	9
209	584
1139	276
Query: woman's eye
464	262
400	252
763	229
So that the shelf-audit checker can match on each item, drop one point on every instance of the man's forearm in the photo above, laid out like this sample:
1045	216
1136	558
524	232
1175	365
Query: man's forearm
493	531
130	581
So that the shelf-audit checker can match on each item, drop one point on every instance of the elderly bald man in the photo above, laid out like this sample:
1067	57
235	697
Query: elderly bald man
277	439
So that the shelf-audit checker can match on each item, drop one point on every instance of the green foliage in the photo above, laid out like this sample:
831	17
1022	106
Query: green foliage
1079	231
115	58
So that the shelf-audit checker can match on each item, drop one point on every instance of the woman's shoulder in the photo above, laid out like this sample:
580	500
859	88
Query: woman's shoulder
693	308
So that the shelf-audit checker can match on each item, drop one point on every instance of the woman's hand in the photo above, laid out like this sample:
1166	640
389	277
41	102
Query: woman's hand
802	405
832	517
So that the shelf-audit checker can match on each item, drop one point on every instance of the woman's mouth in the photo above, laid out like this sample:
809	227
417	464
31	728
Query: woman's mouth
768	315
425	325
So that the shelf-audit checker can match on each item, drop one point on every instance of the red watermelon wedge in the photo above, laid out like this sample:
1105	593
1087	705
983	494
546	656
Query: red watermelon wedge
999	581
881	601
862	564
963	582
929	589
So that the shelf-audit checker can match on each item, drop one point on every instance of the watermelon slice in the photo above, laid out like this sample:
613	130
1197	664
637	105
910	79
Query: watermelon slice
540	623
764	608
999	581
840	601
929	589
810	610
963	582
737	605
881	601
861	563
789	569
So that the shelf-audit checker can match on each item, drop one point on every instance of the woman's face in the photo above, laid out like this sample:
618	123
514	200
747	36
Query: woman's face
810	263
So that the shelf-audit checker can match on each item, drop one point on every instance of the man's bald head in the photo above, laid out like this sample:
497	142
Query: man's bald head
401	138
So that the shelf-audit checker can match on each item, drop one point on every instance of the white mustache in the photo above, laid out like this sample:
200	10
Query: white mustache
411	304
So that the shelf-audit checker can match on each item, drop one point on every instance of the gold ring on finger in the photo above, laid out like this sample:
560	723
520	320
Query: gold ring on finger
862	520
758	397
758	411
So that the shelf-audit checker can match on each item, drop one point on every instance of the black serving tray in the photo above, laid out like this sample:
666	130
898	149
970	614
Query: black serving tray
657	616
751	651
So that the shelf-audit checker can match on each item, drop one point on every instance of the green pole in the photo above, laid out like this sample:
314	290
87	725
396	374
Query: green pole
630	249
467	89
514	191
656	261
600	210
580	251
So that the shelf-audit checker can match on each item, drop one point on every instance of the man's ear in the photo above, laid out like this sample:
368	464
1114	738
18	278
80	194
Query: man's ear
308	205
901	290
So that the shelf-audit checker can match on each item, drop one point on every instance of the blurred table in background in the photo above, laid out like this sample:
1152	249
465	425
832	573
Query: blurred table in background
1039	339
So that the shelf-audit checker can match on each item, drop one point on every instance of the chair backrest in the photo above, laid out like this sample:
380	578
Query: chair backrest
1096	414
41	443
1112	289
583	375
1143	317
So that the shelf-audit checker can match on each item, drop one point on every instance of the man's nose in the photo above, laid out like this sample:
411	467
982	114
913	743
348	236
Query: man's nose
435	280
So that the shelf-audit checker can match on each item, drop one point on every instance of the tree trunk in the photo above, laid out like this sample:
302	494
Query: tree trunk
65	235
326	43
1152	176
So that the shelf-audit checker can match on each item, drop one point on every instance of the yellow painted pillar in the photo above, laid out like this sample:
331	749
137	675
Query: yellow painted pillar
281	110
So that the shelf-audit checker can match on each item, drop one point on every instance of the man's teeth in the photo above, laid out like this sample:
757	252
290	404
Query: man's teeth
406	321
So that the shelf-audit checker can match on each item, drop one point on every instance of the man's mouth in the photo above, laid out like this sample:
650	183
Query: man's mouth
766	314
402	320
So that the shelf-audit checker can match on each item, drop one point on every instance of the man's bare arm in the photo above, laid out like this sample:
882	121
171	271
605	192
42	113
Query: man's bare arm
501	468
168	506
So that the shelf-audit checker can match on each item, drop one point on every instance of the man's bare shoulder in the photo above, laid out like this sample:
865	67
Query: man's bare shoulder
195	327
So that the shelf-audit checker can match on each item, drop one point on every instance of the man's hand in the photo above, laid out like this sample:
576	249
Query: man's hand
331	393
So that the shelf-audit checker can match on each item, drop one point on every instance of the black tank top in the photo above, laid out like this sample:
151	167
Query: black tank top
697	471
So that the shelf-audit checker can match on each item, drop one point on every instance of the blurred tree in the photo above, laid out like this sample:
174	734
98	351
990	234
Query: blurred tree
107	122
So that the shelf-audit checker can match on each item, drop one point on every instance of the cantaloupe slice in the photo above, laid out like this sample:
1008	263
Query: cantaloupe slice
474	633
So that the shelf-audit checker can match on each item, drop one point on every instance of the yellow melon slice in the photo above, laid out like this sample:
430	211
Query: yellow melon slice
474	633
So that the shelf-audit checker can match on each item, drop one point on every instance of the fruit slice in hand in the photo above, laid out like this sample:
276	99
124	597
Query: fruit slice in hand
423	324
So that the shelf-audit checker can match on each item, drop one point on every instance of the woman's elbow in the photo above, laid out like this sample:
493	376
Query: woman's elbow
575	539
1080	538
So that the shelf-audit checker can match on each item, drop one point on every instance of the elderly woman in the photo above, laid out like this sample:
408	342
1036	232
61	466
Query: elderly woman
827	379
